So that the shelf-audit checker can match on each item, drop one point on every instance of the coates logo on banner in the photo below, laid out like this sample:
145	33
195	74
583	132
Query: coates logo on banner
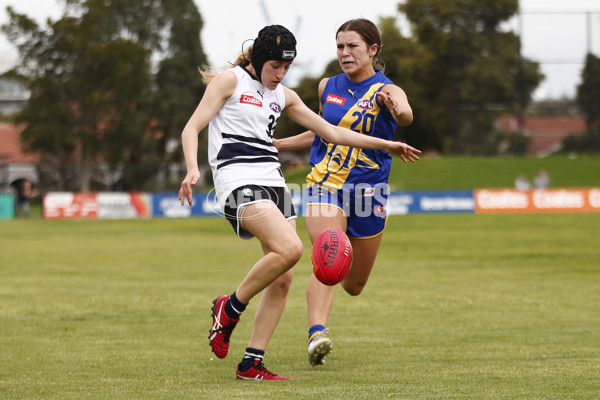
247	99
333	99
275	107
365	104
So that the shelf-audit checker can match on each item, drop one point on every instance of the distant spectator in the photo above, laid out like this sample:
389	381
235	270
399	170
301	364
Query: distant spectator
541	180
522	183
25	192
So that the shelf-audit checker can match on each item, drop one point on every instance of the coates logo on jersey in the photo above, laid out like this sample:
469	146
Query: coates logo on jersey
333	99
365	104
247	99
275	107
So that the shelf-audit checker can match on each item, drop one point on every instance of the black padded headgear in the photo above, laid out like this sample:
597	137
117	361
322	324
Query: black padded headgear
274	42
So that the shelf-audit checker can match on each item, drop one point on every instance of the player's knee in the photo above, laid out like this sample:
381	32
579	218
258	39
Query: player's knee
353	288
292	251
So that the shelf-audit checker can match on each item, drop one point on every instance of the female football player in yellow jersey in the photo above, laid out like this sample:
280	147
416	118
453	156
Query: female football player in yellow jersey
347	187
241	107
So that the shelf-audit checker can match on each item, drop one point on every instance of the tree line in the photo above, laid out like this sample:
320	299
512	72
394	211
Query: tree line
115	82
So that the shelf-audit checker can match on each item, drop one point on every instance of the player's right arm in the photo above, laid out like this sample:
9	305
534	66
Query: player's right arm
220	88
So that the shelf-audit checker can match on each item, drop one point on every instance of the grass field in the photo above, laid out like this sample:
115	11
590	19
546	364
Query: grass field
483	172
458	307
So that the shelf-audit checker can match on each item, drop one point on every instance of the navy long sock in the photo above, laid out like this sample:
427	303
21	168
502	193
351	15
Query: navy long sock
234	307
250	358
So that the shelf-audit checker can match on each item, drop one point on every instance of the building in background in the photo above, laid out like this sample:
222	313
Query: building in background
545	134
15	164
12	97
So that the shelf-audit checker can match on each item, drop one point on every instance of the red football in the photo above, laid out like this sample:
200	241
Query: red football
331	256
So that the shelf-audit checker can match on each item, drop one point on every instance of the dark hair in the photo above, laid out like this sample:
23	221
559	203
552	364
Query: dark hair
274	42
368	31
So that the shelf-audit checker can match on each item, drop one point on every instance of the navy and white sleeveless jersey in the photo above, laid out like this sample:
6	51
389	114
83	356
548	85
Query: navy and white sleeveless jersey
240	145
352	105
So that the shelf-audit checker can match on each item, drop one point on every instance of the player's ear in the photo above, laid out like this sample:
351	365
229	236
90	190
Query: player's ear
373	49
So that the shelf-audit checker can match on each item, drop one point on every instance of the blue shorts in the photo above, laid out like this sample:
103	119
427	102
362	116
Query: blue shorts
363	206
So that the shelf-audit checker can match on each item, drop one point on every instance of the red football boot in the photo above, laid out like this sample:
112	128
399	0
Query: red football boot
259	373
221	328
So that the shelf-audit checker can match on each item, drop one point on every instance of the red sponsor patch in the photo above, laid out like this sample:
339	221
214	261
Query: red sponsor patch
247	99
380	211
333	99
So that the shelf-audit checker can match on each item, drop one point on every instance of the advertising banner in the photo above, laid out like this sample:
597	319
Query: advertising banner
67	205
494	201
7	206
167	205
124	205
431	202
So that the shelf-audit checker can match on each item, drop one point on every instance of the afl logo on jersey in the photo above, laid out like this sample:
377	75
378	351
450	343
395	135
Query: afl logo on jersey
247	99
333	99
275	107
365	104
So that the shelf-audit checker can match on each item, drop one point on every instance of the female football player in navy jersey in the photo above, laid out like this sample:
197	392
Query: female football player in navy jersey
347	186
241	107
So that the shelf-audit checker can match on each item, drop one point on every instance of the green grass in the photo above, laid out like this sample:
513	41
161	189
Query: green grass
483	172
458	307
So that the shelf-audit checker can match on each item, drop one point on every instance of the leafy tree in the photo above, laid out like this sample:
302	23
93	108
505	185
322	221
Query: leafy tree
558	106
460	70
469	70
588	99
81	91
404	64
588	91
178	82
92	86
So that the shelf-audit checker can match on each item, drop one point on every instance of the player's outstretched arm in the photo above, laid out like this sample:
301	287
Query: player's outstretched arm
300	141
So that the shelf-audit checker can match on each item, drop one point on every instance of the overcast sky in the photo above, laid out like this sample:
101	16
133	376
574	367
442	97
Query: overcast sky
555	33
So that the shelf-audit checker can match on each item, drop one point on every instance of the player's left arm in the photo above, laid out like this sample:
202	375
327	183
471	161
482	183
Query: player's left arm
303	140
396	101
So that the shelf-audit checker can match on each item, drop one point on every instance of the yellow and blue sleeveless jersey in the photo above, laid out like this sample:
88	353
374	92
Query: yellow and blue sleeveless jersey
352	105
